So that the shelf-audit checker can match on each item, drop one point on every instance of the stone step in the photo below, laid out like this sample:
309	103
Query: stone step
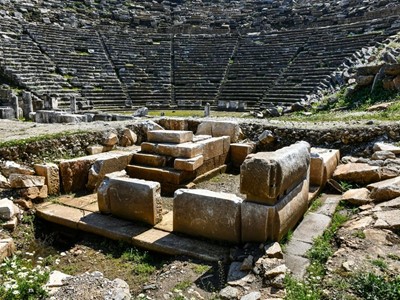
184	150
131	232
151	160
162	175
169	136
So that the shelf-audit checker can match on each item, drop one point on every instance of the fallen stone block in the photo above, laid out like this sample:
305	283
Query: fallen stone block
51	173
110	139
4	183
357	196
11	224
389	205
34	192
390	217
188	164
323	164
386	147
107	163
262	222
97	149
383	155
7	209
239	152
25	181
363	173
131	199
174	124
266	176
151	160
207	214
184	150
385	190
7	248
128	138
10	167
217	128
169	136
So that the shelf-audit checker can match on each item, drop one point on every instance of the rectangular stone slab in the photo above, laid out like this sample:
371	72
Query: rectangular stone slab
239	152
207	214
51	173
323	164
162	175
267	176
131	199
188	164
212	147
260	222
137	235
169	136
151	160
185	150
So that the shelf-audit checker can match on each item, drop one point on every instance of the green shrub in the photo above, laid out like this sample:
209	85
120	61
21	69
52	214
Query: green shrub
375	287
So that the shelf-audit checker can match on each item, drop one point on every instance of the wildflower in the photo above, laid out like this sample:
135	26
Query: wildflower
30	291
15	292
9	272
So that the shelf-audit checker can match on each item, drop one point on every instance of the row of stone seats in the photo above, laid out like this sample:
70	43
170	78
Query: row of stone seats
200	65
80	57
143	63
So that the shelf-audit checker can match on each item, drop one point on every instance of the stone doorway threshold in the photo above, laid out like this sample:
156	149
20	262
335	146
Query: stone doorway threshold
82	214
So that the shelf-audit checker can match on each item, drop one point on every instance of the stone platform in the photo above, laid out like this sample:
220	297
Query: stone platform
82	214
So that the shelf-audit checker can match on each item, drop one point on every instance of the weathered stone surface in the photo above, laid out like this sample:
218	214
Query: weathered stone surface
151	160
9	167
4	184
394	203
188	164
11	224
110	139
207	214
247	263
281	269
184	150
312	226
169	136
229	293
239	152
391	217
263	222
107	163
274	250
34	192
174	123
266	137
386	147
51	173
25	181
7	209
97	149
216	129
265	176
323	164
75	172
385	190
212	147
234	273
149	125
128	138
383	155
363	173
131	199
251	296
357	196
7	248
298	265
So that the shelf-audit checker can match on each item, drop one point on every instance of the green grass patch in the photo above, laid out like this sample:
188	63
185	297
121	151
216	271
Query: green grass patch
359	233
380	263
201	269
315	205
299	290
194	113
183	285
142	261
376	287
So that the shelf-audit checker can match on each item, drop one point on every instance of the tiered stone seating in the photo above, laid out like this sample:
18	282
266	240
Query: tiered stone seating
256	64
325	51
199	67
79	55
23	63
143	63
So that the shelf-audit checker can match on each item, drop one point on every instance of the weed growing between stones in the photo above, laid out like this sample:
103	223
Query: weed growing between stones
20	279
142	261
371	287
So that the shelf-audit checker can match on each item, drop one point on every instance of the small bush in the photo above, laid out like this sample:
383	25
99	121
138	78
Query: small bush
375	287
299	290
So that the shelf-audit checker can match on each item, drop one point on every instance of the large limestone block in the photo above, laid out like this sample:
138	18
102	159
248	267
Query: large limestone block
107	163
184	150
262	222
218	128
162	175
9	167
7	209
51	173
212	147
266	176
188	164
174	123
363	173
151	160
207	214
25	181
131	199
357	196
34	192
169	136
323	164
239	152
385	190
